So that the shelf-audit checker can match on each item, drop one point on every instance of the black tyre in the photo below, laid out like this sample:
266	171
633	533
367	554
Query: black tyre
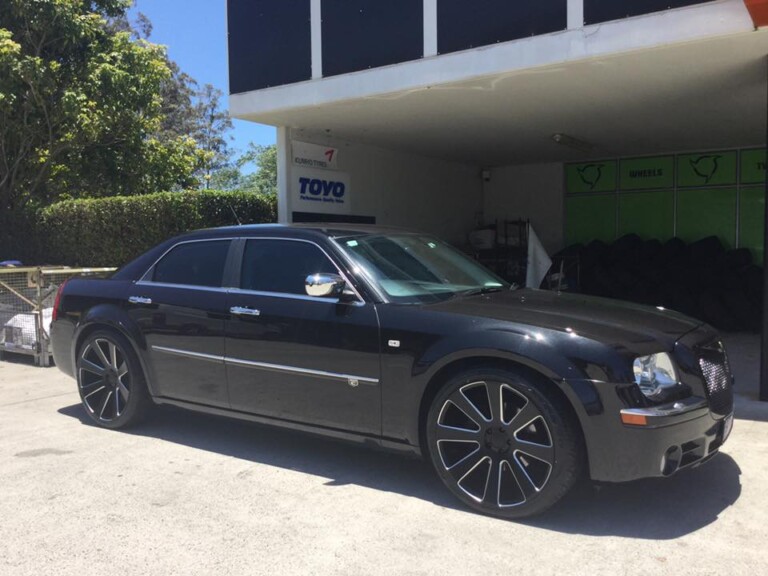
503	444
110	381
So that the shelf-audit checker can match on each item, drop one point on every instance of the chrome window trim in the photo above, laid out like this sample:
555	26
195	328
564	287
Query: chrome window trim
144	281
289	296
349	284
266	366
182	286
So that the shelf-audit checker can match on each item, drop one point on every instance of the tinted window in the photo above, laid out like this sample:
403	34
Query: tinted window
282	265
194	263
604	10
269	43
362	34
464	24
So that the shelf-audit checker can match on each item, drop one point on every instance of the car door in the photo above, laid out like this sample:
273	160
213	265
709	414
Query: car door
295	357
180	308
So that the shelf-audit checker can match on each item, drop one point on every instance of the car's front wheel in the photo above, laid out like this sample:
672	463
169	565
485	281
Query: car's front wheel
110	380
502	443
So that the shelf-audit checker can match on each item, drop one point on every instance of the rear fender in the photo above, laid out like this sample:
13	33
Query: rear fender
114	318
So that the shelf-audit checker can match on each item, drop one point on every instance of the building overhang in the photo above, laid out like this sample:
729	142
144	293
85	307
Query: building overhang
691	78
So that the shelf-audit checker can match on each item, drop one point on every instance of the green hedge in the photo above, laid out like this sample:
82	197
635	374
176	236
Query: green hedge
113	231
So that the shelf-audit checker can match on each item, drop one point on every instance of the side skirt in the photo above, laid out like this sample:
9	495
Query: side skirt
350	437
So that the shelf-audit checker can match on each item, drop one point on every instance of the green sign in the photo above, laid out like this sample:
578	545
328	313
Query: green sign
707	169
591	177
646	173
753	166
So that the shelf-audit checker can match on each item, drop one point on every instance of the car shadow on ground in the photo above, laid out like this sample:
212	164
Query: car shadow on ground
657	509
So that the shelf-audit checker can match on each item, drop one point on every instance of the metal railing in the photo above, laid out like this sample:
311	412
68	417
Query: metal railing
27	296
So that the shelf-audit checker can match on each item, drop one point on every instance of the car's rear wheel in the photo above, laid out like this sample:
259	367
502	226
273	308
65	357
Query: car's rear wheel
110	380
502	443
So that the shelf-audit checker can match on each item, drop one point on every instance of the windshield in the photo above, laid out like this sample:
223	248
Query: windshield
416	269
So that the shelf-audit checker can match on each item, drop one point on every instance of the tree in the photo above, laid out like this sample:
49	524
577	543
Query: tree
263	179
81	111
213	123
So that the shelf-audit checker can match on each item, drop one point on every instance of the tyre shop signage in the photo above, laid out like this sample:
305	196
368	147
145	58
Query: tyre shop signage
599	176
646	173
326	191
313	156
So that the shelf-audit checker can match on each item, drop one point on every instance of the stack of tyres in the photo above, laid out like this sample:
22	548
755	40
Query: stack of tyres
701	279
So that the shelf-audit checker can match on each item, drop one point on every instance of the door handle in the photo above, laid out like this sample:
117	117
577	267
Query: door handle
243	311
139	300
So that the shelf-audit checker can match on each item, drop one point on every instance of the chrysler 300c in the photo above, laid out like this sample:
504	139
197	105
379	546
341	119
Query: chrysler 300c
396	339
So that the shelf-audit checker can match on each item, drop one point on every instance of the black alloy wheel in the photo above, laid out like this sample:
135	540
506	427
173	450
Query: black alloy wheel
502	444
110	381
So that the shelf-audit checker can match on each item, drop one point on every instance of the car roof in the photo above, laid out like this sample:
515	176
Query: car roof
329	229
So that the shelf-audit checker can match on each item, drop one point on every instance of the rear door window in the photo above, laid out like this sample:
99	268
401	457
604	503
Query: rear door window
193	264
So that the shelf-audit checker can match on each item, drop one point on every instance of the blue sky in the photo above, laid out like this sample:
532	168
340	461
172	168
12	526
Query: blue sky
195	32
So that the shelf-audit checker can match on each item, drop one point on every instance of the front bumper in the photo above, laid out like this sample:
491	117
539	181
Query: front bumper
683	432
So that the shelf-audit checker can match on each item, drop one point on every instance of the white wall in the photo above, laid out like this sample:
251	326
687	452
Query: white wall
406	190
532	192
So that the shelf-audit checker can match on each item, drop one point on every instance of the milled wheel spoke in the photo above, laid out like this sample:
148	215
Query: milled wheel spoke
494	396
465	465
528	413
113	355
493	492
457	434
89	366
470	410
117	405
99	389
538	451
106	403
475	473
124	392
122	371
100	382
96	347
521	475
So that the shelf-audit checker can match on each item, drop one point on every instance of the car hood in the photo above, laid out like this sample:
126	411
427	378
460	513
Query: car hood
621	324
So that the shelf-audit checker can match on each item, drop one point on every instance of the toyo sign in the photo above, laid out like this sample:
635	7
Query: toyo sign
325	191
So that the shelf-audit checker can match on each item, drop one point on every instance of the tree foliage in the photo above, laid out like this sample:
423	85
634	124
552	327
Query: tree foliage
81	107
254	170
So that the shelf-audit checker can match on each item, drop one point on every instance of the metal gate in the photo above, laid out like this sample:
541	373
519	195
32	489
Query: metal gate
26	307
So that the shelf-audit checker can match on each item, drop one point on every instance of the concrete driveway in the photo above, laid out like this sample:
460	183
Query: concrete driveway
189	494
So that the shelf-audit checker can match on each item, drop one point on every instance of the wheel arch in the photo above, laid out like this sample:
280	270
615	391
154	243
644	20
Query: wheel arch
456	366
111	318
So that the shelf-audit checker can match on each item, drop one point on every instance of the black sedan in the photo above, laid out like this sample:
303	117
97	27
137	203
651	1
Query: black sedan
395	339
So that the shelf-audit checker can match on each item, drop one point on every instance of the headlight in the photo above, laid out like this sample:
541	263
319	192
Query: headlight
655	374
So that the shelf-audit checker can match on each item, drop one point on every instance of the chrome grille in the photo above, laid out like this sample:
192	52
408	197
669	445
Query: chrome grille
717	375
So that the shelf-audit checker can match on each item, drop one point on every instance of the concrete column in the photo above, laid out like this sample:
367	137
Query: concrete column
284	165
316	17
575	14
430	28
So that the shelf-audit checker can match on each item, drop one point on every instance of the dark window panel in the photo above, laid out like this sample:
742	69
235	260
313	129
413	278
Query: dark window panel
362	34
270	43
464	24
282	266
596	11
193	264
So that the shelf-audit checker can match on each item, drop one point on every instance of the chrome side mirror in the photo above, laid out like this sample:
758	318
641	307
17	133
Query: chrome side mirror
323	285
